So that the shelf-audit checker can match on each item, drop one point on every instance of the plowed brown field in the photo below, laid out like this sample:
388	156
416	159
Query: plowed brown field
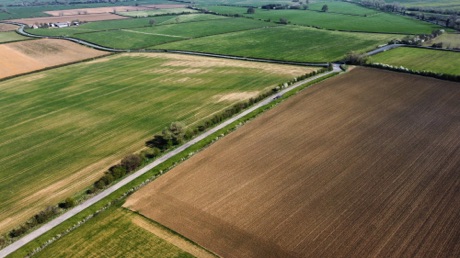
68	18
7	27
365	164
28	56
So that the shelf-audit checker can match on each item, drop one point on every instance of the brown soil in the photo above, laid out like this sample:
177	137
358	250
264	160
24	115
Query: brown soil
363	165
7	27
28	56
236	96
97	10
69	18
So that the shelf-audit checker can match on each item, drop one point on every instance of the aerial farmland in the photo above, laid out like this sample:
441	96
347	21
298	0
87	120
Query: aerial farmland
229	128
331	192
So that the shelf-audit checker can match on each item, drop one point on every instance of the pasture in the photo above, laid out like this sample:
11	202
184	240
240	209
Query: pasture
120	233
137	33
289	43
9	36
334	20
31	55
64	127
156	12
330	172
438	61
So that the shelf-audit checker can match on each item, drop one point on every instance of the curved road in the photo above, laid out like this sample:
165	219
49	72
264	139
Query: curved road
55	222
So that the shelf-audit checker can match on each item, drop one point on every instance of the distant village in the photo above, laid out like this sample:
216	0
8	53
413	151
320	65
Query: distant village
56	24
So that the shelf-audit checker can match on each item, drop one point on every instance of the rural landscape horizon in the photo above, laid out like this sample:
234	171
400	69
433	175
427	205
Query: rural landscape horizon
230	128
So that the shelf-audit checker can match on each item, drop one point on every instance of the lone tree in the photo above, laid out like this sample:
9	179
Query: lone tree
325	8
251	10
152	22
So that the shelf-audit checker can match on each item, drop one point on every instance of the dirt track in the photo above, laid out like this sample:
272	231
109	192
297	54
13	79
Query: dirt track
28	56
364	164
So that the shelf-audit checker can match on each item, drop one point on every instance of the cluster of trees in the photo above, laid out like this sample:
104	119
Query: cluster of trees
127	165
297	4
355	58
443	76
417	40
438	16
39	218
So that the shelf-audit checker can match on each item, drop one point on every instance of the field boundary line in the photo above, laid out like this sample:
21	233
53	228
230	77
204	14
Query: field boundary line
155	34
100	196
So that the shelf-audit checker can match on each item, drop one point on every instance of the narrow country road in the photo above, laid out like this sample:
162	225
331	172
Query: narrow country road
55	222
384	48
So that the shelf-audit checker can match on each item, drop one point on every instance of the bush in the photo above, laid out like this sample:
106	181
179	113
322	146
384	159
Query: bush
131	162
68	203
354	58
117	171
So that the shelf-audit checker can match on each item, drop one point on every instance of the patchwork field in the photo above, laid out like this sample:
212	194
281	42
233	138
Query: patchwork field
98	10
291	43
439	61
9	36
85	18
362	165
28	56
64	127
139	34
7	27
150	12
334	20
117	227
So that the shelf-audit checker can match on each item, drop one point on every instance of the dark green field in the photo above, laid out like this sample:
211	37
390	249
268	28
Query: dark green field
290	43
338	19
438	61
137	33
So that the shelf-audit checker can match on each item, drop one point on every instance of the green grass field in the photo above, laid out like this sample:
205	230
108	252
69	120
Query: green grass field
421	59
157	12
100	26
343	8
437	4
63	127
136	35
9	36
381	22
290	43
113	234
